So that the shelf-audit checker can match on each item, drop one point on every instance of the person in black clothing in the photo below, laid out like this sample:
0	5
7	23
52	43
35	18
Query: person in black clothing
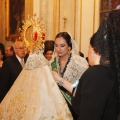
2	55
9	51
96	96
11	68
2	48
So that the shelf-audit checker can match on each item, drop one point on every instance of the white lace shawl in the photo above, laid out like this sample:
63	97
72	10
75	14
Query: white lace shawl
77	65
75	68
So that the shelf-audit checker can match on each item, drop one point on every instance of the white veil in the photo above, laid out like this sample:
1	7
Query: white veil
75	49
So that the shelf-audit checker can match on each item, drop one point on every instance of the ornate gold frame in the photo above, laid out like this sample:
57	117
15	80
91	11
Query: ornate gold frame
34	44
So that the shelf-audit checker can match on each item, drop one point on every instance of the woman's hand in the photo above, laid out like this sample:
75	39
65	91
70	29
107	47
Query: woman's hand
56	76
62	82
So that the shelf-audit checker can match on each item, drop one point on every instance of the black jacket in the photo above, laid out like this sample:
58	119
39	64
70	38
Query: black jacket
10	70
96	97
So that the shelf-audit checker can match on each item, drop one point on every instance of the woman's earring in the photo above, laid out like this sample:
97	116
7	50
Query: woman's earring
69	48
69	51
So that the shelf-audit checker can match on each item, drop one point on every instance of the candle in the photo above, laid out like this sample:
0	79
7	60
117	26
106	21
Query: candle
64	14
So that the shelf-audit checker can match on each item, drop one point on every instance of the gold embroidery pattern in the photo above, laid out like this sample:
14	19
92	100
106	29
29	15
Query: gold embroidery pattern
18	111
59	115
35	109
66	111
53	84
23	107
35	61
17	107
1	114
34	90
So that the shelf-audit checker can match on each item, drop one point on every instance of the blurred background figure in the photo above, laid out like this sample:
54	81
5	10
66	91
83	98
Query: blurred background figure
2	54
48	49
27	51
48	54
1	58
9	51
12	67
2	47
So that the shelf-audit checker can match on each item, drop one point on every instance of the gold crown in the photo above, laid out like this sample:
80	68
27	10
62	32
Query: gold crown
32	33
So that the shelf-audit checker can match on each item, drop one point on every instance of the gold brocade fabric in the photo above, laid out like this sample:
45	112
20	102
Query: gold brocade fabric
34	96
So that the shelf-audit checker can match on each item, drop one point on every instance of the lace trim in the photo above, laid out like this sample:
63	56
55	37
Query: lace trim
35	61
75	68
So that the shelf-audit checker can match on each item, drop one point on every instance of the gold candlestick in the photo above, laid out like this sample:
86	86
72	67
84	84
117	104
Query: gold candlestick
64	26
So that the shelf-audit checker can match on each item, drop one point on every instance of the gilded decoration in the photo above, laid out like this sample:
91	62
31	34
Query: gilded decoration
33	33
34	95
18	108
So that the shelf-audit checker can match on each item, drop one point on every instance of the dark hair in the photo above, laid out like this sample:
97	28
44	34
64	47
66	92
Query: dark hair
48	46
46	50
66	36
81	54
11	48
2	49
106	42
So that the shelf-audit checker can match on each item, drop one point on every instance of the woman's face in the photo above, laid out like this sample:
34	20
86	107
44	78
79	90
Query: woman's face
61	47
91	56
48	55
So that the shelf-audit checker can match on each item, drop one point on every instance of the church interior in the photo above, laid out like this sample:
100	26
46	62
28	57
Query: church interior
80	18
60	59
